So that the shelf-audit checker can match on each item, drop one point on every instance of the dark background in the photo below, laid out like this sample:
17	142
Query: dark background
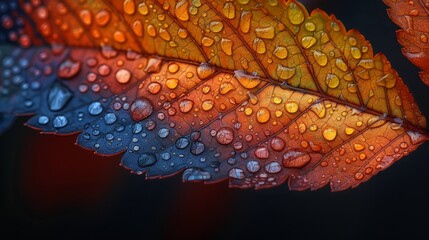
50	187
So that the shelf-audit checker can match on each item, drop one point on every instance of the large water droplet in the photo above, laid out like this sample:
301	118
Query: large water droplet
141	109
123	76
110	118
58	97
225	135
205	70
181	10
263	115
295	159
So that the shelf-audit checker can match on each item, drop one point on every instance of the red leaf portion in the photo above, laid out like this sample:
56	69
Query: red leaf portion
413	18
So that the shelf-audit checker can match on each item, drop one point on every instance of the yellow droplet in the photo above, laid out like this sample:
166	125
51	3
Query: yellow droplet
335	26
216	26
86	17
277	100
310	26
320	58
324	38
352	88
129	7
161	17
182	33
356	54
248	111
173	68
204	71
359	123
181	10
352	41
245	20
362	156
313	127
226	46
332	81
143	9
172	83
280	52
225	88
151	30
302	128
243	1
285	73
278	113
123	76
207	105
358	147
295	14
263	115
291	107
138	28
119	36
265	32
349	131
308	41
164	34
398	101
229	10
341	64
259	46
329	133
319	109
206	41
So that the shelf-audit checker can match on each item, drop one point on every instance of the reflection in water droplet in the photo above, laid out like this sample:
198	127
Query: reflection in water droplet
296	159
141	109
123	76
95	108
68	69
273	167
225	135
146	159
59	122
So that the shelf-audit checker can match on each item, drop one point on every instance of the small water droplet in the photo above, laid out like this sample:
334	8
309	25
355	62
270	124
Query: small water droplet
182	143
163	132
263	115
102	18
320	58
59	122
273	167
253	166
296	159
110	118
95	108
329	133
123	76
291	107
236	173
146	159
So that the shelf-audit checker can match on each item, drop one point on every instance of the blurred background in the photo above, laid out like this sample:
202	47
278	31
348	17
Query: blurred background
50	187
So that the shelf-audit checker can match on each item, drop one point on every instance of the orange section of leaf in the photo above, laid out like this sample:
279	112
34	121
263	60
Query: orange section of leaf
413	18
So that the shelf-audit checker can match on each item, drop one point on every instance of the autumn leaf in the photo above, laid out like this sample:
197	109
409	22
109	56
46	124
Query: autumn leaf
413	18
257	92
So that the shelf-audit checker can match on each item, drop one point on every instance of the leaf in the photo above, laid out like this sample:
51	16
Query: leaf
413	18
254	92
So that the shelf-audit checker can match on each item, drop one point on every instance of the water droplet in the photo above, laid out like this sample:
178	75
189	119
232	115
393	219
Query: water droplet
153	65
308	41
359	176
246	80
95	108
277	144
263	115
60	122
229	10
356	54
154	88
173	68
319	109
119	36
310	26
110	118
226	46
195	174
273	167
341	64
141	109
332	81
253	166
320	58
291	107
295	14
296	159
164	34
123	76
103	70
129	7
206	41
349	131
186	105
225	135
204	71
143	9
182	143
68	69
163	132
281	52
262	153
216	26
285	73
138	28
236	173
358	147
86	17
245	20
172	83
265	32
151	30
181	10
207	105
43	120
197	148
329	133
58	97
225	88
259	46
146	159
102	18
